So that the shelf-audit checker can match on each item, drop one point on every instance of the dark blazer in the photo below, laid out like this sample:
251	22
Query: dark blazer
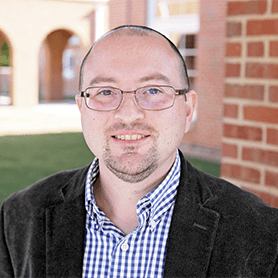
217	229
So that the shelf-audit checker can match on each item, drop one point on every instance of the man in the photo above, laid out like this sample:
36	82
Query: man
140	209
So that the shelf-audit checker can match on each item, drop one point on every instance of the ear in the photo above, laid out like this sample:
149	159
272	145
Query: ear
191	105
78	100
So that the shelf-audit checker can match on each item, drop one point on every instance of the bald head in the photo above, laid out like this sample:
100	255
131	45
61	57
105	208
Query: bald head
137	31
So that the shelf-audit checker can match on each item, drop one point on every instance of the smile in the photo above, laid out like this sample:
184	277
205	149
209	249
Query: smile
130	137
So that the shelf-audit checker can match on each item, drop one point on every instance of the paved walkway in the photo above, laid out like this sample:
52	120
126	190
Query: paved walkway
62	117
43	118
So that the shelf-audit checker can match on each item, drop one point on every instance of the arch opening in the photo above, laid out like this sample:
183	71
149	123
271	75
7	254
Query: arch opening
59	61
5	71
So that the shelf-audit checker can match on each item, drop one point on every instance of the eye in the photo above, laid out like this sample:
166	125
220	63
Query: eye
153	91
106	92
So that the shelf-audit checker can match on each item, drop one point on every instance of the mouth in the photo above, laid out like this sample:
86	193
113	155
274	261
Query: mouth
130	137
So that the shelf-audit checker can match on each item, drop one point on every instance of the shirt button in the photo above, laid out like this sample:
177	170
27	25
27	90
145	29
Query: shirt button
124	247
153	224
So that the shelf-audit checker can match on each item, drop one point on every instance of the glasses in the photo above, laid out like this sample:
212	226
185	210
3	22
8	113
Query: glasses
148	98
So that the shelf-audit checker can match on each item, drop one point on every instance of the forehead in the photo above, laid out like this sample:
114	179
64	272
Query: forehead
130	54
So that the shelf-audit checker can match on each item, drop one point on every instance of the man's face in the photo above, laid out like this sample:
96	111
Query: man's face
134	143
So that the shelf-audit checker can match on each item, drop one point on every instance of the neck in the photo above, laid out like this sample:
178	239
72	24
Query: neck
118	199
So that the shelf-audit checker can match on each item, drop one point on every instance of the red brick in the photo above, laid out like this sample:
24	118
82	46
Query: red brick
261	156
232	70
272	136
261	70
262	27
273	49
274	6
274	201
252	92
258	193
233	49
266	197
247	7
240	173
234	29
127	12
271	178
261	114
255	49
242	132
252	190
229	150
269	198
231	110
273	94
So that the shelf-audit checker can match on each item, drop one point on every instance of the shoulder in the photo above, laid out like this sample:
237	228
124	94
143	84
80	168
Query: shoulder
239	228
48	191
229	200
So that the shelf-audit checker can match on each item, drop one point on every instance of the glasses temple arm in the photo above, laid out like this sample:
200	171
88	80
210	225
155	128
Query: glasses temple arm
182	92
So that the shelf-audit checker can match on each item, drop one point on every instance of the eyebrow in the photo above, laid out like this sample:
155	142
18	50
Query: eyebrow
101	79
154	76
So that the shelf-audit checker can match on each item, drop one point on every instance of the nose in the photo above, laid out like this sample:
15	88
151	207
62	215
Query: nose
129	111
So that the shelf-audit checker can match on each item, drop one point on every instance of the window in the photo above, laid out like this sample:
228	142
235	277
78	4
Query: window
187	47
68	64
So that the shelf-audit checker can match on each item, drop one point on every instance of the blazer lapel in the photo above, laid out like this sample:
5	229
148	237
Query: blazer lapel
193	227
65	230
190	241
65	239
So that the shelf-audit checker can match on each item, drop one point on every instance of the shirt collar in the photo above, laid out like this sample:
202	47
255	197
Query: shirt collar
92	175
152	206
160	199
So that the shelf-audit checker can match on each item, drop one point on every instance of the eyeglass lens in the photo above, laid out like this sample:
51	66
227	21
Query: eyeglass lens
149	98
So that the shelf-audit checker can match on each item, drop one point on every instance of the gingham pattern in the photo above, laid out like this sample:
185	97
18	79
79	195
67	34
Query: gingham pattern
110	253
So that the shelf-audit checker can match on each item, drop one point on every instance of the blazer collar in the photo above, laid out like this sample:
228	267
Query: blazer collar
65	230
190	241
193	227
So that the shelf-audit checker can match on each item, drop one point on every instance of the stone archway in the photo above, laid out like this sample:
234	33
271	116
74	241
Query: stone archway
72	58
5	70
54	77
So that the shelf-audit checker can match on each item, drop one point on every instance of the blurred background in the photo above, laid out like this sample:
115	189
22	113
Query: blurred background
231	50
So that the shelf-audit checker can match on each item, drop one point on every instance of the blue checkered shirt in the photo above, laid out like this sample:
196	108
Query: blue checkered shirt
110	253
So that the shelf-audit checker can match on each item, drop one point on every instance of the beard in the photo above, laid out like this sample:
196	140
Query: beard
130	166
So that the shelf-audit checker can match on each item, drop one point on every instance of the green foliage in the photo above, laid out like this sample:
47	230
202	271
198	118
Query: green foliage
5	49
5	55
29	158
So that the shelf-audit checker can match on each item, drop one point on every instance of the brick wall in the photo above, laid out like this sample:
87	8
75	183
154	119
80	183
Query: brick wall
204	140
123	12
250	126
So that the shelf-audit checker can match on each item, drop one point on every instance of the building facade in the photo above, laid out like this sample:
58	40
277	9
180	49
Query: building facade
55	60
26	25
230	47
250	124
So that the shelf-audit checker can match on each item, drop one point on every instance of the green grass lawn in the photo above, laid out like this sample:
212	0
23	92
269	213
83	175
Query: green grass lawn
26	159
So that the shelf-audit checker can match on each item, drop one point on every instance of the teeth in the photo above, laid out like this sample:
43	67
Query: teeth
129	137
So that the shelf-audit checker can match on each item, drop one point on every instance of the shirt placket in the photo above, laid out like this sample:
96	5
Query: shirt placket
123	252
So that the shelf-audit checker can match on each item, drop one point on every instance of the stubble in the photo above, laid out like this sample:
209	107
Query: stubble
130	166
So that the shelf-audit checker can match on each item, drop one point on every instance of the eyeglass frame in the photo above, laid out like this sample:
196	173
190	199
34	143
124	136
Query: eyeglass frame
177	92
